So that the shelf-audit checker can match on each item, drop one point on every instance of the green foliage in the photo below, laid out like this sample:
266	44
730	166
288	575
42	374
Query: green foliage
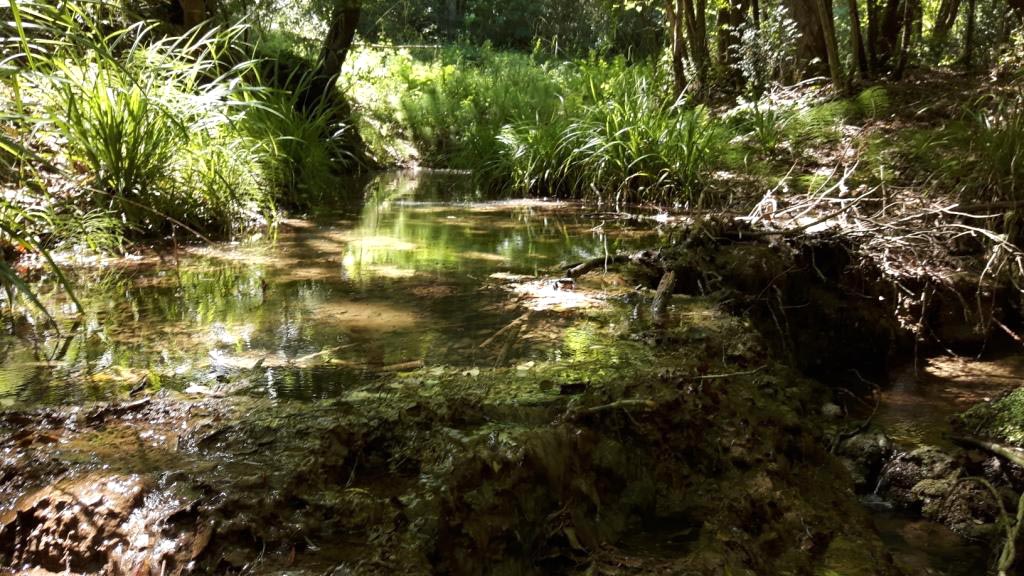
454	117
152	121
592	128
173	129
768	52
999	144
765	121
126	137
631	145
302	147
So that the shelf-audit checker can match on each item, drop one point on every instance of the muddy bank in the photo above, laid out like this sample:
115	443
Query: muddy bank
698	454
829	310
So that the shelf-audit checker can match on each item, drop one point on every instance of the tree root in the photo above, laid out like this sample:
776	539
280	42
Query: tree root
1005	452
643	258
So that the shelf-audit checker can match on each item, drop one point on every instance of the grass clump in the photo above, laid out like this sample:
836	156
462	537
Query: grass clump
160	132
589	128
639	146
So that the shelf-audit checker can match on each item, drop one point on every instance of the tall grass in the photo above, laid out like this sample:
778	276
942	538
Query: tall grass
172	130
631	144
303	146
110	132
593	128
142	116
999	143
451	105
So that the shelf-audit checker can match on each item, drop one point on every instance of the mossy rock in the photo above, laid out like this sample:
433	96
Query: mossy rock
849	557
1001	420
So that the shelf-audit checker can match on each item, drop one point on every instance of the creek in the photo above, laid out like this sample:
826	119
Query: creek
419	279
405	280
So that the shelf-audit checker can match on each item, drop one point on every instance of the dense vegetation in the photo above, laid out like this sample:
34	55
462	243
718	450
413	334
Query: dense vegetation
200	117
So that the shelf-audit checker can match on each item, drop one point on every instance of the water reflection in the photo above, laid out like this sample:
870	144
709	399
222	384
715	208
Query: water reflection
326	303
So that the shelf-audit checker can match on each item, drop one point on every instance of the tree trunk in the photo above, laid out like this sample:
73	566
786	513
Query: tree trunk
944	20
811	43
889	34
193	12
730	20
873	35
697	36
972	6
755	12
828	28
905	41
674	14
860	64
341	34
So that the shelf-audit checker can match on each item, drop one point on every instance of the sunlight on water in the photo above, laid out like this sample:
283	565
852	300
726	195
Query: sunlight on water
331	300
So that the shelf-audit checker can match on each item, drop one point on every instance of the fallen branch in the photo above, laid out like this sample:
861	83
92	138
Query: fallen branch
1011	454
511	325
595	263
313	356
633	403
730	374
509	343
842	436
642	258
402	367
1009	553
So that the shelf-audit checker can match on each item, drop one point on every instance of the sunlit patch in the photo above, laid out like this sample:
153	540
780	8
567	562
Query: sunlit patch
381	243
436	291
327	271
355	268
484	256
364	316
298	224
549	295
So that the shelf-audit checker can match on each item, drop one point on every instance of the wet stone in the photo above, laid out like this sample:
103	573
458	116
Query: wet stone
864	455
76	524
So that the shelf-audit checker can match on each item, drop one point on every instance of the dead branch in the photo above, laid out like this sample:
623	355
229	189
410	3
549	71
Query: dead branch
643	258
515	324
662	297
509	343
402	367
313	356
1011	454
730	374
1009	553
595	263
631	403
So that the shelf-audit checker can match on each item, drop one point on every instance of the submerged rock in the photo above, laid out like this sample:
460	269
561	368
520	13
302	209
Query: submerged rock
864	455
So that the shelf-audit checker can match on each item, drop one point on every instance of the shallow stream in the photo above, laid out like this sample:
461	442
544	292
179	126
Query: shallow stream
334	298
418	277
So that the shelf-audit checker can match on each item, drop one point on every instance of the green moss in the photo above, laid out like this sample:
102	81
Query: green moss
1001	420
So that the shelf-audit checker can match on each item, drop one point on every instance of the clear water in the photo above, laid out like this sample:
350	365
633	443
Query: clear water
405	278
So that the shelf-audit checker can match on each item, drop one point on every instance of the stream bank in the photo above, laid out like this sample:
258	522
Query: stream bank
408	388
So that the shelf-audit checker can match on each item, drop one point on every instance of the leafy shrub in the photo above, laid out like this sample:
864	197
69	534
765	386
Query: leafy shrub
768	51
